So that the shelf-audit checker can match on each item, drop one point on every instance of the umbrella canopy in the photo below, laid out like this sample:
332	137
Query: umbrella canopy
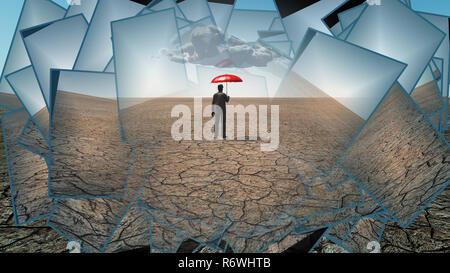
226	78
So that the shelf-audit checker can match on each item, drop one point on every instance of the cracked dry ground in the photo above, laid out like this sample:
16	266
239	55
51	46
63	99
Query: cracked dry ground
33	237
430	232
242	190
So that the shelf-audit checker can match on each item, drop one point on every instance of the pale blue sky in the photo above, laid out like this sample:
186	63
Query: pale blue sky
441	7
255	4
9	14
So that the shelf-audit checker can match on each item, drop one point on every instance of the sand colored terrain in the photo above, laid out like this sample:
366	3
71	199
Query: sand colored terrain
232	187
28	173
94	222
33	139
42	120
295	85
316	130
131	236
10	101
428	98
87	157
399	158
215	183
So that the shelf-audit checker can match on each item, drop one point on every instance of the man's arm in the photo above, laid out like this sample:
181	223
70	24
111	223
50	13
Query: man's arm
227	98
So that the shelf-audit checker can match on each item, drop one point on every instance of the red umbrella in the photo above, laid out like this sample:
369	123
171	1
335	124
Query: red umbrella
226	79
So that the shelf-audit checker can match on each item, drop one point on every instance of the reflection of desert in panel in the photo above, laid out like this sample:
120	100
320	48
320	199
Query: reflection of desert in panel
427	96
313	126
28	172
32	138
9	100
399	158
87	158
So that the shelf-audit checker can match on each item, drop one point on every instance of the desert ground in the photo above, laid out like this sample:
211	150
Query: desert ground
87	157
316	130
414	165
9	100
29	172
428	98
239	184
218	184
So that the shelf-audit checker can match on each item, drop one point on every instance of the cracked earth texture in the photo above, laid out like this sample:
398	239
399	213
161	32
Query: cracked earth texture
428	233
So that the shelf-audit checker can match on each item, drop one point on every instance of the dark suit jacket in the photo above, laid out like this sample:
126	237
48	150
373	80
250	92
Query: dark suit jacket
220	99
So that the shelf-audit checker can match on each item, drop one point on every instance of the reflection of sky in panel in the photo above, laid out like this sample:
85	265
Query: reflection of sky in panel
444	50
185	32
252	86
27	89
62	3
142	70
195	10
406	2
336	29
97	50
392	29
185	35
346	18
298	23
277	24
269	33
33	13
276	38
274	72
244	24
344	34
110	66
88	83
55	46
355	77
9	14
168	4
86	8
255	4
282	47
182	22
221	14
426	77
441	7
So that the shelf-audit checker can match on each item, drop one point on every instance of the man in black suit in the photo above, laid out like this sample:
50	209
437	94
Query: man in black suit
220	111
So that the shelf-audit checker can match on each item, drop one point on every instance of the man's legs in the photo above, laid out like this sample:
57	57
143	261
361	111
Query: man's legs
224	122
218	116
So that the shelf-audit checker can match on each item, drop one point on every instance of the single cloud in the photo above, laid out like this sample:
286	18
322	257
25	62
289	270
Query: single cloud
207	45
